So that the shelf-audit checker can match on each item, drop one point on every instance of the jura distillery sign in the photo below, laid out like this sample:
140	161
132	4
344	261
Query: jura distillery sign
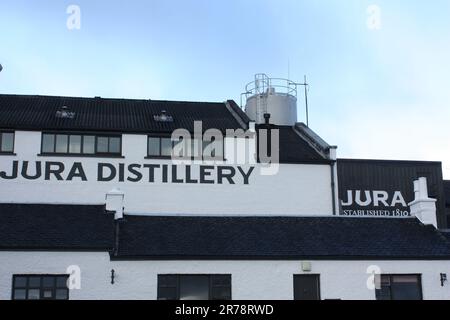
121	172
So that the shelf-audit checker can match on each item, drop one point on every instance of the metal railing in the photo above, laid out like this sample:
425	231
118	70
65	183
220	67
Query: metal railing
263	84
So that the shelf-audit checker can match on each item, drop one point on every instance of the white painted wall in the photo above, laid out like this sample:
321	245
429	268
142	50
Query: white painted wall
294	190
250	279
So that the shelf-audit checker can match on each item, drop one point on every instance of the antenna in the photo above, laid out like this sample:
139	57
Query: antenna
289	69
306	85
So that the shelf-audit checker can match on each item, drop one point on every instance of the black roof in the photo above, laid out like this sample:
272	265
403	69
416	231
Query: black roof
294	149
90	228
32	112
55	227
447	192
177	237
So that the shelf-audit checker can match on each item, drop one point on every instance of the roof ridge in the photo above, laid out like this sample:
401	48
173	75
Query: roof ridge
106	98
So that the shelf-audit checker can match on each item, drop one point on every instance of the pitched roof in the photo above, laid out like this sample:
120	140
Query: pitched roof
89	228
176	237
55	227
294	149
31	112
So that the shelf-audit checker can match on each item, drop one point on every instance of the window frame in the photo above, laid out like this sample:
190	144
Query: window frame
41	286
211	284
159	137
82	153
13	142
391	275
192	157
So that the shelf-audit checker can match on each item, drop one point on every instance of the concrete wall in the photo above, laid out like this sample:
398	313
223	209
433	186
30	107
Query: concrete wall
294	190
250	279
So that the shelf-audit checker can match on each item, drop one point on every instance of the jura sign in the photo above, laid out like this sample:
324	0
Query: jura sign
374	203
383	188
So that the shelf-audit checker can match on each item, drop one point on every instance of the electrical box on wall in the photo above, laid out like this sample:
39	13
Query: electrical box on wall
306	266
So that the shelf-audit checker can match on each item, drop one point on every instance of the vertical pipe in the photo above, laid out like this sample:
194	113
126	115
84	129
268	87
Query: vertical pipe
333	171
306	103
116	237
333	183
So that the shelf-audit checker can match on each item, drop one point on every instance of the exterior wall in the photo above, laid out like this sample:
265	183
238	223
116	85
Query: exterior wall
250	279
295	190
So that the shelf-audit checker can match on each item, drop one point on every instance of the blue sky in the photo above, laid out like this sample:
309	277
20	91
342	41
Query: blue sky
374	93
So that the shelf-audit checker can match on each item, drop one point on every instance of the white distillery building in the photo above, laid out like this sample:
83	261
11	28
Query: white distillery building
94	205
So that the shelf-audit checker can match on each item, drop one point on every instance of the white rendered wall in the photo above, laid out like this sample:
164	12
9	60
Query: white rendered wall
297	189
250	279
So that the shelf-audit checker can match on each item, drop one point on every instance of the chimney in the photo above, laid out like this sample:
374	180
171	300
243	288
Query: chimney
251	126
423	207
114	202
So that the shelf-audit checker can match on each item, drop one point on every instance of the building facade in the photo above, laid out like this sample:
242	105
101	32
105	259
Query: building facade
144	199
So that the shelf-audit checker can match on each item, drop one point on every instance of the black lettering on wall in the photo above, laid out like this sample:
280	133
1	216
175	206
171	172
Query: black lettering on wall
132	168
205	171
100	172
175	179
188	176
151	171
38	171
221	174
77	171
121	172
246	175
13	175
51	170
164	173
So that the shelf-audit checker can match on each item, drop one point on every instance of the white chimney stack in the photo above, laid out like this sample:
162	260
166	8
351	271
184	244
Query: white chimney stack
114	202
252	126
423	207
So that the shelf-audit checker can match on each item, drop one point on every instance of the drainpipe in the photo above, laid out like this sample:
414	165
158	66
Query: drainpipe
114	203
333	172
269	135
116	238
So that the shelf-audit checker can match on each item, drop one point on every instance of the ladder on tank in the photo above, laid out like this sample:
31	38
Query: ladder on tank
262	85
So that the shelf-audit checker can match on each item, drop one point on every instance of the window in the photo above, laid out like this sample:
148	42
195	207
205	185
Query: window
191	149
159	147
35	287
194	287
78	144
6	142
399	287
306	287
213	149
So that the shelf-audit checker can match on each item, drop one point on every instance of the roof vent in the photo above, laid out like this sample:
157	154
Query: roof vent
163	117
65	113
